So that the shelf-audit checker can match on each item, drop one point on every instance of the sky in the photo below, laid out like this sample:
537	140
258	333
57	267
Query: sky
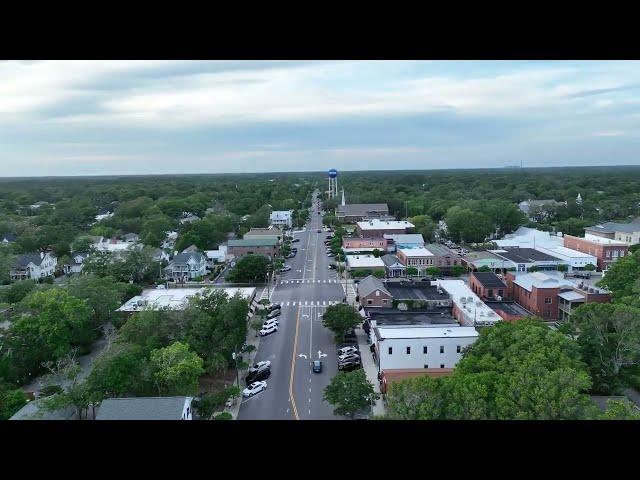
163	117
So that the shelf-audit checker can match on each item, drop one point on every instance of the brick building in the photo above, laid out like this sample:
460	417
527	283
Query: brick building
488	286
267	246
538	292
605	250
376	228
372	293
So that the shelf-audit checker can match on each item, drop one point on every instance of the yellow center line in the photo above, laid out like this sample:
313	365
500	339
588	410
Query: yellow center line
293	367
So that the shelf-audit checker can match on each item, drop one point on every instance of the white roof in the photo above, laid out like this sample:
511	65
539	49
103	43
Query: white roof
525	237
364	261
571	296
566	253
604	241
427	332
541	280
174	298
377	224
405	237
416	252
221	252
281	214
474	310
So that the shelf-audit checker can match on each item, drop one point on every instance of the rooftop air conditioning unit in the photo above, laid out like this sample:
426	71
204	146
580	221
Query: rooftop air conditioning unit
478	303
491	314
463	300
470	299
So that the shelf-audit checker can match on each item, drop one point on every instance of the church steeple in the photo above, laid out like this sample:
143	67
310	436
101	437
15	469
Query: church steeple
343	202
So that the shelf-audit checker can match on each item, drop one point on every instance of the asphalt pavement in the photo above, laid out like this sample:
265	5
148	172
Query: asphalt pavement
293	391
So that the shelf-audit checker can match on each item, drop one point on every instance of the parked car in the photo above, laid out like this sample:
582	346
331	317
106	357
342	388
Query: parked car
330	254
286	268
348	366
586	275
317	366
295	240
258	375
332	266
268	331
275	313
255	367
273	306
319	231
269	323
255	387
348	356
291	255
347	350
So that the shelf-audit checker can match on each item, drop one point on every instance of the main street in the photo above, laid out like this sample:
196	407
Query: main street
293	391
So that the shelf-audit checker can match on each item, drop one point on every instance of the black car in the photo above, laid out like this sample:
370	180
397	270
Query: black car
349	366
317	366
295	240
273	306
261	374
332	266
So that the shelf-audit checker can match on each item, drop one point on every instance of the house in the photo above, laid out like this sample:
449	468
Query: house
190	249
376	228
364	263
186	266
569	300
357	212
409	240
429	256
130	237
113	245
522	259
103	214
177	298
188	218
77	263
258	245
372	293
355	245
605	250
216	256
160	255
270	232
488	286
621	232
574	259
33	266
540	207
146	408
7	238
393	266
33	411
170	240
281	218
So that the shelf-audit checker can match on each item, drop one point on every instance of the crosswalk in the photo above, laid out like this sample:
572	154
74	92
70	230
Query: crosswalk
311	303
308	281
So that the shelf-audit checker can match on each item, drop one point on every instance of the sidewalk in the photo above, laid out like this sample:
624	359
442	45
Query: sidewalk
370	369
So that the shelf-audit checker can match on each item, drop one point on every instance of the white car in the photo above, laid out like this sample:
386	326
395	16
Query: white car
330	255
259	365
348	356
270	323
269	330
255	387
347	350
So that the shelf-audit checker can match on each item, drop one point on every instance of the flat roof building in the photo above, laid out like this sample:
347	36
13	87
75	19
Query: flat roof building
177	298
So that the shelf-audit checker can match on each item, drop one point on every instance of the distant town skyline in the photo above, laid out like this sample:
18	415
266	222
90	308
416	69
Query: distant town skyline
67	118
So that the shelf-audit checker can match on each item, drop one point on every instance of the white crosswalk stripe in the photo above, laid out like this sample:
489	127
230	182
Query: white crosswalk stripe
287	304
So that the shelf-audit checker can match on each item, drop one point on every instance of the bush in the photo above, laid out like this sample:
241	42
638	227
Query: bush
50	390
484	268
48	280
590	267
223	416
563	268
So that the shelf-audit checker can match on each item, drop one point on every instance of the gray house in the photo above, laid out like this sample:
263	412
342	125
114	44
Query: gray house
146	408
186	266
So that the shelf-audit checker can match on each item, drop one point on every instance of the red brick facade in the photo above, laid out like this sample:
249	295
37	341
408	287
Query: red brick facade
488	293
542	302
606	254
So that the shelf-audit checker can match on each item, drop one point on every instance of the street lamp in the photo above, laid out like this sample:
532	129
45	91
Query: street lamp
234	355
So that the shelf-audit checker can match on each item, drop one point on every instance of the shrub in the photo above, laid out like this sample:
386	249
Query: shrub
223	416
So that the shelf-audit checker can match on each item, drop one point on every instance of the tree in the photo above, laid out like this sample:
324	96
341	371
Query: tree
433	271
11	400
377	253
520	370
350	393
176	369
563	267
458	270
620	410
609	340
424	225
18	290
411	271
250	269
104	295
484	268
121	370
340	318
81	244
466	225
621	276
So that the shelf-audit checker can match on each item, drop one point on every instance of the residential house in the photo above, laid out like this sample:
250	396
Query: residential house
355	245
188	218
170	240
113	245
605	250
7	238
216	256
621	232
531	207
372	293
103	214
569	300
160	255
130	237
393	266
33	266
258	245
376	228
270	232
522	259
77	263
281	218
357	212
410	240
364	263
146	408
190	249
186	266
34	410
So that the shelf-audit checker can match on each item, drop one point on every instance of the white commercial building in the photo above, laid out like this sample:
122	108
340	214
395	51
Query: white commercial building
364	262
217	256
525	237
573	258
281	218
382	225
468	308
425	347
176	298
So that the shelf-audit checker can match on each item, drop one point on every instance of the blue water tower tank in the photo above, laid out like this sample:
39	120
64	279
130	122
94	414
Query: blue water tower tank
333	173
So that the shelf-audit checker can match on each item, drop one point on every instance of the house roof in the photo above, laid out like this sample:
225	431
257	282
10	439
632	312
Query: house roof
190	249
376	224
27	258
32	411
489	280
130	235
541	280
572	296
612	227
389	260
185	256
364	261
449	331
509	308
416	252
391	317
144	408
405	238
440	250
369	285
525	255
414	291
362	209
254	241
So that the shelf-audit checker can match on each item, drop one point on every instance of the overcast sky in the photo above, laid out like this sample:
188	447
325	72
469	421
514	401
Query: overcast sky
146	117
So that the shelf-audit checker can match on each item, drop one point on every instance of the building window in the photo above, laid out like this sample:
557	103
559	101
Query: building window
408	350
490	293
458	349
441	348
390	350
547	300
384	300
426	366
424	349
442	365
369	302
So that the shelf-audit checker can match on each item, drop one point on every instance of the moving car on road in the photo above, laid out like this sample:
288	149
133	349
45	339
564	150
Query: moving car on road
268	331
255	387
295	240
317	366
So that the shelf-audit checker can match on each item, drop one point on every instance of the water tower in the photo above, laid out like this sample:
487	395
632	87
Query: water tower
333	183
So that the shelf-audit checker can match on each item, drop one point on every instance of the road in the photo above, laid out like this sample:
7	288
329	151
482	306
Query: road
293	391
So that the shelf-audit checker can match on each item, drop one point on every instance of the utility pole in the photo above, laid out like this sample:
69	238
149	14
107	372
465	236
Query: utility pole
235	358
